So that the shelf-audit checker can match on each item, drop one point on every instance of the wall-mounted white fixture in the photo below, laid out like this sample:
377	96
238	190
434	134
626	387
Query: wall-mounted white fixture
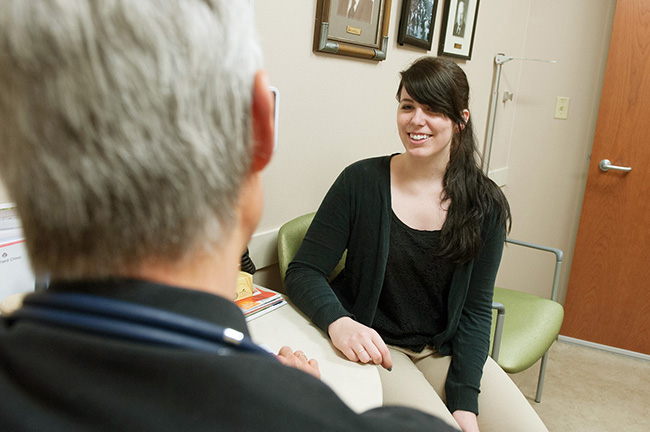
562	108
499	61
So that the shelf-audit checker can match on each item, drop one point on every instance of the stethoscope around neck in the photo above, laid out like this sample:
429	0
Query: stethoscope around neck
130	321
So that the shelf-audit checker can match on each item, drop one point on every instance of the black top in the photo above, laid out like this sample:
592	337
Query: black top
54	379
355	215
412	306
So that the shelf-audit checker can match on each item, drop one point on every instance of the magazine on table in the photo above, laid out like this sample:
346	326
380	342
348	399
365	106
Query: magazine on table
261	302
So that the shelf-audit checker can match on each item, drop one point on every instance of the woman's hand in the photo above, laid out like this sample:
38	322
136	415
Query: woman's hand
359	342
466	420
298	360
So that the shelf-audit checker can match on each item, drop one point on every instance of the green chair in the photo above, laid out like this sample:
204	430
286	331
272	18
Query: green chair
518	342
524	334
290	237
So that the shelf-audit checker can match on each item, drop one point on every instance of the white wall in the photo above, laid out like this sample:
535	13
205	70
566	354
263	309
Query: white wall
336	110
549	158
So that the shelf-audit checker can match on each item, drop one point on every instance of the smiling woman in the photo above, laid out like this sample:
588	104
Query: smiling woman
424	231
434	100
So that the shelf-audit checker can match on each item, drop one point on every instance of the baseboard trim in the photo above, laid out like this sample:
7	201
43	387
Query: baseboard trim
601	347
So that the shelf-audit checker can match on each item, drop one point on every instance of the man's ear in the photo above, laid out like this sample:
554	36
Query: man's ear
262	112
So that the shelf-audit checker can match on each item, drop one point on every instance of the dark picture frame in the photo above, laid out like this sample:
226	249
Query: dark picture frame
416	23
362	32
458	28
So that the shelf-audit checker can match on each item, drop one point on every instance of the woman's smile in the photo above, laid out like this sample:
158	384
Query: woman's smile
418	137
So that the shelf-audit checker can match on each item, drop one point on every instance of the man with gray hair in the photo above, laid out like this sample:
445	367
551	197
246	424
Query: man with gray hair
133	134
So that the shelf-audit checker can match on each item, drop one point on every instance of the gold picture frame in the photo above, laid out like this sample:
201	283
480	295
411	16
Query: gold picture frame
352	28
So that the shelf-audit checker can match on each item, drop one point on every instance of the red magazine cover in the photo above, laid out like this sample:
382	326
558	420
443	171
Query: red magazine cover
262	300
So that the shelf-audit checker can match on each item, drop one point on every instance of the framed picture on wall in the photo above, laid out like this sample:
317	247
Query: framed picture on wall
458	28
416	23
356	28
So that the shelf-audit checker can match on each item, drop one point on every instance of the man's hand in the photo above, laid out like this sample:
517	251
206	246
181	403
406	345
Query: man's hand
359	342
298	360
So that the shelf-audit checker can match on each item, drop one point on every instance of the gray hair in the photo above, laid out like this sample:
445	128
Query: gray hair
124	127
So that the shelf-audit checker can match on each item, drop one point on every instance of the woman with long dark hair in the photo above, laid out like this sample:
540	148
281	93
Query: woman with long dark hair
424	231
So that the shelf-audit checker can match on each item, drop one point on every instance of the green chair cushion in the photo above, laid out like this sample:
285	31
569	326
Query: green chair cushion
530	327
290	237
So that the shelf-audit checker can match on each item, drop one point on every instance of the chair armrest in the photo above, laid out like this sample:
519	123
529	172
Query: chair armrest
558	261
498	329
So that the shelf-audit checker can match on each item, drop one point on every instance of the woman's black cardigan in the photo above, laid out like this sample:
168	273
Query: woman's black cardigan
355	215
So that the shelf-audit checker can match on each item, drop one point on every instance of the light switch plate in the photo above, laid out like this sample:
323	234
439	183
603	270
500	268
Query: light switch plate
562	108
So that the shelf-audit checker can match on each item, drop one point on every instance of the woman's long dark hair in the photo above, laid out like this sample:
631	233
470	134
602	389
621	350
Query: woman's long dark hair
442	85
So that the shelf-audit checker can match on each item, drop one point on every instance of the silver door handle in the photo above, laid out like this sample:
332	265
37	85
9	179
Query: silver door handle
606	165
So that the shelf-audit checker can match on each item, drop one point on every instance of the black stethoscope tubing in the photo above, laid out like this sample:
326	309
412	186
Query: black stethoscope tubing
124	320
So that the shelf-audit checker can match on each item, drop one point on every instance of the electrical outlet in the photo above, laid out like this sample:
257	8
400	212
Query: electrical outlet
562	108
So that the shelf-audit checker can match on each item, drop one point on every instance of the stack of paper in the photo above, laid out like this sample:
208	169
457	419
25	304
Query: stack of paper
262	301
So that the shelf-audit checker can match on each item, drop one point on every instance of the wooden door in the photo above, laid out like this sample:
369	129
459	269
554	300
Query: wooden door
608	298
